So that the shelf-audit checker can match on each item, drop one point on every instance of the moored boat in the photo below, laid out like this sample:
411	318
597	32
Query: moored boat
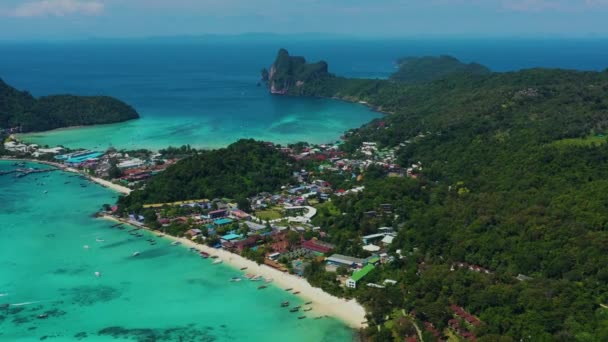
294	309
307	309
297	292
289	289
301	317
135	254
204	255
175	243
262	287
243	268
217	261
284	304
235	279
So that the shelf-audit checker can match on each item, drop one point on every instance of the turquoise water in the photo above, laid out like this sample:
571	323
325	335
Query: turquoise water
165	294
204	93
290	120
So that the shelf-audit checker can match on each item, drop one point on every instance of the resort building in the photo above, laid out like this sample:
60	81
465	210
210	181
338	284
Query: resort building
344	260
358	275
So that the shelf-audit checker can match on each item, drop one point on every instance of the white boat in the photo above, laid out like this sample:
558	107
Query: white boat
135	254
269	280
235	279
85	246
256	278
175	243
46	191
98	274
99	240
217	261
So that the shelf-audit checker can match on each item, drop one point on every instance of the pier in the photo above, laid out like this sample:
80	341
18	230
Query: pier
25	172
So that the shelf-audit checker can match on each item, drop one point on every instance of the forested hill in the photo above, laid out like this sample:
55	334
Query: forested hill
514	169
416	70
242	169
21	109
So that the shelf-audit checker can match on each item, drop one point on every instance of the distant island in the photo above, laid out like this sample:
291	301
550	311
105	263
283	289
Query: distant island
22	112
416	70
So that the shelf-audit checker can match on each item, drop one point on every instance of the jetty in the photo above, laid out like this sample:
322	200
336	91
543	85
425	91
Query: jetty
25	172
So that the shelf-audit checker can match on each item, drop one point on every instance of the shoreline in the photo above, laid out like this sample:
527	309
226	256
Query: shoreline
348	311
106	184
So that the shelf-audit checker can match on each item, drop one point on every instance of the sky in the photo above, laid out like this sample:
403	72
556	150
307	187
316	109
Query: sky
82	19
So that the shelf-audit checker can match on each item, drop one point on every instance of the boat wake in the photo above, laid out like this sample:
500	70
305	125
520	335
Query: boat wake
27	303
3	294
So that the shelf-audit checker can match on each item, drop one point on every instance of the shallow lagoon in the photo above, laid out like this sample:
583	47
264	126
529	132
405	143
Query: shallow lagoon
165	294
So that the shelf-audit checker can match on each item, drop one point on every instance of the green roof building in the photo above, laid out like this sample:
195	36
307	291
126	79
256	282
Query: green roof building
358	275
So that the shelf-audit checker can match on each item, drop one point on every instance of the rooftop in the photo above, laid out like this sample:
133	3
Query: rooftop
358	275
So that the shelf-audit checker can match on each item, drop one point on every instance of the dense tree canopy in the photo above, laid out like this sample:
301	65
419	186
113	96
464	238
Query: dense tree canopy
21	109
240	170
514	180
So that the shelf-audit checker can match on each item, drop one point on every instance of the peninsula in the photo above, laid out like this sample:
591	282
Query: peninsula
475	211
20	112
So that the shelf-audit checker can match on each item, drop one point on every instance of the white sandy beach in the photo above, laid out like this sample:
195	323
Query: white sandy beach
118	188
348	311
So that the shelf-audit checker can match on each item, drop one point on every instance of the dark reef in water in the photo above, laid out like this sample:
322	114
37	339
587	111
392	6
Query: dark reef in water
90	295
184	334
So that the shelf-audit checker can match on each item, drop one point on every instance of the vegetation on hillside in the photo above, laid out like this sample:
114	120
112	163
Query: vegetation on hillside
21	109
499	189
242	169
416	70
288	73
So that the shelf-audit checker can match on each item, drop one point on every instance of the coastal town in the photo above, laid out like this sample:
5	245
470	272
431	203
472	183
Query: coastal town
278	231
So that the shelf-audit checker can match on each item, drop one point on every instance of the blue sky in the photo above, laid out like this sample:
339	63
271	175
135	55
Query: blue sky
75	19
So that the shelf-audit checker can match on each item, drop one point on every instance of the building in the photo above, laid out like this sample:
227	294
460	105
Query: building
218	214
130	164
317	246
344	260
358	275
222	222
240	215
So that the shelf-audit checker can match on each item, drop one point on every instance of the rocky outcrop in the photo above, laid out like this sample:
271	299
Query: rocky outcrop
288	73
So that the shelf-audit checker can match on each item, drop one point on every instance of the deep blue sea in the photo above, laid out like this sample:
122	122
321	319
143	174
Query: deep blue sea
204	93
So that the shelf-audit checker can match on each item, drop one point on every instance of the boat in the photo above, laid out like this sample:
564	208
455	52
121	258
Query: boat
261	287
256	278
297	292
214	257
269	280
307	309
98	274
235	279
175	243
289	289
135	254
249	276
294	309
284	304
192	249
99	240
243	268
160	235
217	261
301	317
46	191
85	246
319	317
4	306
204	255
307	303
43	316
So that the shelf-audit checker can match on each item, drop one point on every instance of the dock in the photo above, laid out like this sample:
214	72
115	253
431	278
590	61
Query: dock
25	172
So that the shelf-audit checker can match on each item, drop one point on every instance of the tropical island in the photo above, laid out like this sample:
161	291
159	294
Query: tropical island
20	112
475	210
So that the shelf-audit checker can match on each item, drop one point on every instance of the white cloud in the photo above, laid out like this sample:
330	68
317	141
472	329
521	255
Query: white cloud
57	8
